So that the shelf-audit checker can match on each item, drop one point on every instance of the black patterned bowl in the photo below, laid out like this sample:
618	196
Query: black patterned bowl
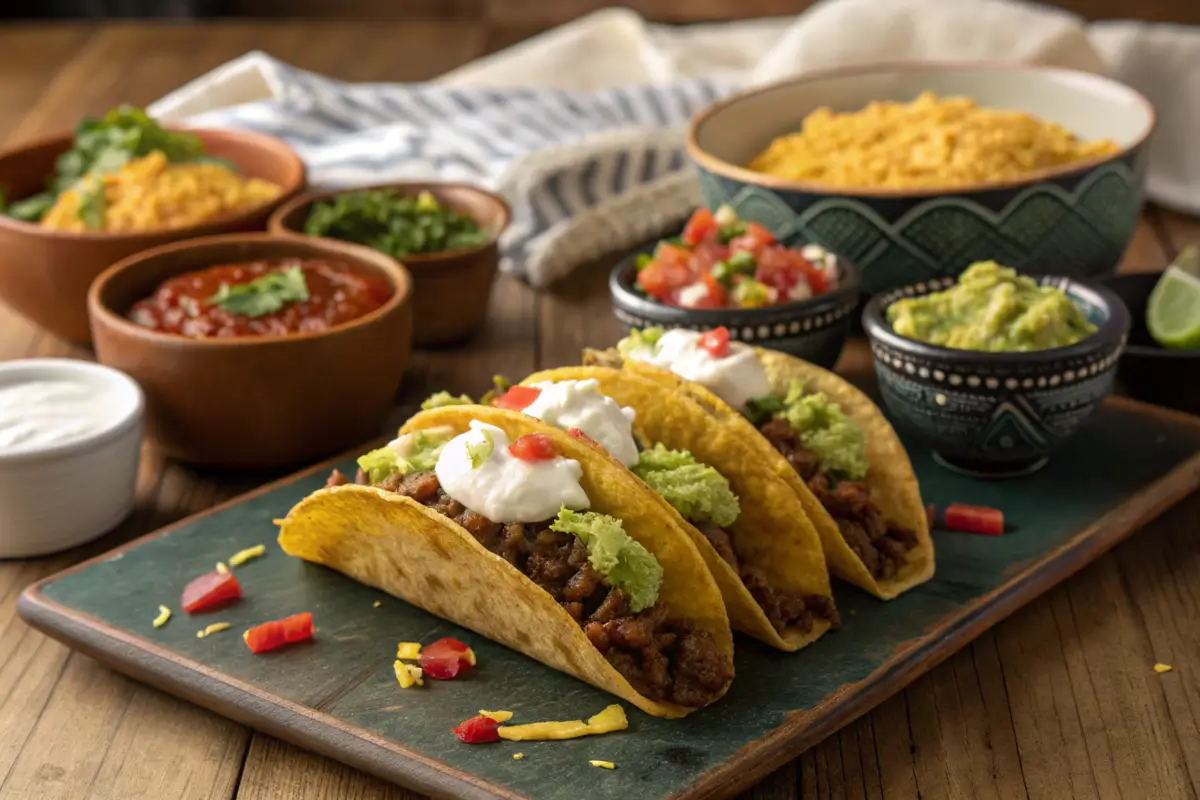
814	330
1070	220
997	415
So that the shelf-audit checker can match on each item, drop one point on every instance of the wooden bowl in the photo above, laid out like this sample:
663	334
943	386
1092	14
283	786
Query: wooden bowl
255	402
451	288
45	274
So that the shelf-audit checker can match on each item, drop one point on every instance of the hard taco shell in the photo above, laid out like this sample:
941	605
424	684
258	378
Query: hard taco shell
398	545
773	532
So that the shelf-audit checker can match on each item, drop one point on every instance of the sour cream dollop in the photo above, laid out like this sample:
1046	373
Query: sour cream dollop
41	413
579	404
736	377
504	488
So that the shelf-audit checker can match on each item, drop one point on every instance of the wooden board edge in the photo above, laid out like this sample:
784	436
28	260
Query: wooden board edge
248	705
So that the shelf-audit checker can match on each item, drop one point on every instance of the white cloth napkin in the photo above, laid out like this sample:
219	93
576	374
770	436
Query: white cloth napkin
580	128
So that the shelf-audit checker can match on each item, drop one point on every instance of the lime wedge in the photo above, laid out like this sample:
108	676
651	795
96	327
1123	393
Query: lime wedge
1173	313
1188	260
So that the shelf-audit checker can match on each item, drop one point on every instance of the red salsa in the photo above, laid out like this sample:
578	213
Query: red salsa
262	298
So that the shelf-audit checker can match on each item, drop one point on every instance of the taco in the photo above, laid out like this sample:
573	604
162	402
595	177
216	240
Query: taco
823	436
536	540
745	520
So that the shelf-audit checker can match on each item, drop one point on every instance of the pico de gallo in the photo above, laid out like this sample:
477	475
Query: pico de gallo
720	261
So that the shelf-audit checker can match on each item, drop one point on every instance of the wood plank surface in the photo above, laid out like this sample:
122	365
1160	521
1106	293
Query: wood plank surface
1059	701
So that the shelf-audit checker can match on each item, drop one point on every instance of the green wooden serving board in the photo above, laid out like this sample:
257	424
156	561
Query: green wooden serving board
338	695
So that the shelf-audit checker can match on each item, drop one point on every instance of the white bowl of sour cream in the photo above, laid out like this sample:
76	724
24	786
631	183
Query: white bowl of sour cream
70	438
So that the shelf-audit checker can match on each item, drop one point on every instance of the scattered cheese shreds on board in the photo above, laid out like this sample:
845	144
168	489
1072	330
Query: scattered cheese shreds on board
377	603
242	556
1161	668
221	568
216	627
470	656
407	675
277	521
409	651
164	614
603	764
610	719
518	756
499	716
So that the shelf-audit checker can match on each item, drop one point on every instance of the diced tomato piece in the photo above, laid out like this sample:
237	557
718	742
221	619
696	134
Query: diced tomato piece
716	341
706	255
672	254
533	447
717	295
478	730
575	433
662	279
445	659
277	633
210	590
753	240
775	270
974	519
700	226
517	398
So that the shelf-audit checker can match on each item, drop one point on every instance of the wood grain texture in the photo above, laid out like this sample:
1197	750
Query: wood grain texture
1067	675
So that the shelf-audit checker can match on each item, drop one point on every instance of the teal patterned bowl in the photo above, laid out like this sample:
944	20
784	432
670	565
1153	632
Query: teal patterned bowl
997	415
1068	221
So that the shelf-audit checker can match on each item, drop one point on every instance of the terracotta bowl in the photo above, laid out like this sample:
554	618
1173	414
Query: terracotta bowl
45	274
255	402
451	289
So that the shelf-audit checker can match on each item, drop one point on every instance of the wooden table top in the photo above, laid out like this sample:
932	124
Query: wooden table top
1058	701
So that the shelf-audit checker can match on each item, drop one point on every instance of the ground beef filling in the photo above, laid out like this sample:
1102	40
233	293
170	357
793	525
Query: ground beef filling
882	546
667	660
784	609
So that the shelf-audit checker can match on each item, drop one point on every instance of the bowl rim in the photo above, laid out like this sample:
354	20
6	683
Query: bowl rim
1110	332
849	287
396	273
726	169
275	223
1146	350
123	425
197	229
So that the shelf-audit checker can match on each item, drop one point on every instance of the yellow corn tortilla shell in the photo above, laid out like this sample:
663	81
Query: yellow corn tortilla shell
773	531
891	478
396	544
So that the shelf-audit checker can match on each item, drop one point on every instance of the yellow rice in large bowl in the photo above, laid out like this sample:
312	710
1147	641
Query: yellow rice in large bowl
930	142
149	193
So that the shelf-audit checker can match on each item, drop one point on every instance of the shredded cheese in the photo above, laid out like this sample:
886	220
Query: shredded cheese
1161	668
518	756
278	521
610	719
603	764
242	556
407	675
164	614
377	603
216	627
499	716
470	656
409	651
221	568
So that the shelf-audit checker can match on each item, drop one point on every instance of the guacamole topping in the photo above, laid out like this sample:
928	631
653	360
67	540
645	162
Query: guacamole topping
413	452
994	309
697	491
642	340
821	425
623	562
443	399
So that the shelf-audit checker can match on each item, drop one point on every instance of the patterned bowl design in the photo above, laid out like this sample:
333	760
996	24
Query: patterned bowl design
814	330
997	414
1063	221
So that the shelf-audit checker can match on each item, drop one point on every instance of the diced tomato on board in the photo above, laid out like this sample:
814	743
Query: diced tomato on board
277	633
478	730
210	590
533	447
974	519
716	341
446	658
517	398
700	226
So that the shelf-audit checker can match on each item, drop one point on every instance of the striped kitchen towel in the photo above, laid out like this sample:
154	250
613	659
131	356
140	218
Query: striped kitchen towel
585	172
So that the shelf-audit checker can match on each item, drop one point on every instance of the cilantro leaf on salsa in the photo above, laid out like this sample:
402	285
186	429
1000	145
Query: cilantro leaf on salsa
262	296
393	223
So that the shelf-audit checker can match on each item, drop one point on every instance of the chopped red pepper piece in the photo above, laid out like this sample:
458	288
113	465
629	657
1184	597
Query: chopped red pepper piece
716	341
974	519
210	590
533	447
445	659
699	226
277	633
517	398
478	730
575	433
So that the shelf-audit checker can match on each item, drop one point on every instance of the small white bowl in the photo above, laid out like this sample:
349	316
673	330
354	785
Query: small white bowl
54	496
